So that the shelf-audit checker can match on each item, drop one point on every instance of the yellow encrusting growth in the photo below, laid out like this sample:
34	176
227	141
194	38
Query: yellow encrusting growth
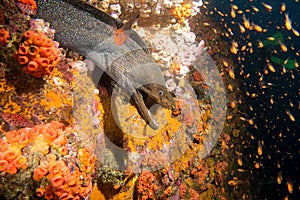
182	12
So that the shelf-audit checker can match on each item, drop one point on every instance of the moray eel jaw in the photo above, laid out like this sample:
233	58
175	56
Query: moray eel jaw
143	110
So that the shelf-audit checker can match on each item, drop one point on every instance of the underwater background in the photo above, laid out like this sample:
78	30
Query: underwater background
227	110
271	104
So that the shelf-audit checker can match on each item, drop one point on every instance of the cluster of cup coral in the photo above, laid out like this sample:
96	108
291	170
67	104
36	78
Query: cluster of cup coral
4	37
38	54
64	180
146	186
58	164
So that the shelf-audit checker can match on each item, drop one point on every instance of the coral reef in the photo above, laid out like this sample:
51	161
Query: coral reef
49	157
160	12
13	20
37	54
43	158
23	104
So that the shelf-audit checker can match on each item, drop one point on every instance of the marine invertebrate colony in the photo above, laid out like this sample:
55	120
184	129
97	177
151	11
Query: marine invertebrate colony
4	36
16	120
27	6
47	159
37	54
182	12
146	186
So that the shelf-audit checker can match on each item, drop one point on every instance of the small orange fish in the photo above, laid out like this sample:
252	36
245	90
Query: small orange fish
289	186
267	6
242	29
255	9
122	34
259	148
246	22
282	46
260	44
283	7
236	181
296	33
257	27
288	21
279	178
232	13
292	118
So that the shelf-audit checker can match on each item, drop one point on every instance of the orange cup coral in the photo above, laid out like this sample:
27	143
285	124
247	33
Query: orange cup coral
11	154
3	165
12	136
40	191
4	37
37	54
39	173
20	162
57	180
11	168
63	180
58	173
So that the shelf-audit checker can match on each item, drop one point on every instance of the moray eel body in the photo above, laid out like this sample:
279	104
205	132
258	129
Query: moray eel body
88	31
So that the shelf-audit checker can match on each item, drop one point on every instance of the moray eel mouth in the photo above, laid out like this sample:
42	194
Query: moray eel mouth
153	94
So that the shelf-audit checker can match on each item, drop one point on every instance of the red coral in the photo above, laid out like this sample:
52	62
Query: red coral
177	110
154	160
146	185
199	171
16	120
4	37
197	76
38	55
182	190
27	6
193	194
188	119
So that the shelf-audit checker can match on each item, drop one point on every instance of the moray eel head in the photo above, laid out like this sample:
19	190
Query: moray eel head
154	94
159	94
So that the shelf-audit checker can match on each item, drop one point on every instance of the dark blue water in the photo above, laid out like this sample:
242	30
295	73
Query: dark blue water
280	154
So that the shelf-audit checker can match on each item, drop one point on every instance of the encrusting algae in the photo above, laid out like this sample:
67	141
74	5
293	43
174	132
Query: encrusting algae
182	12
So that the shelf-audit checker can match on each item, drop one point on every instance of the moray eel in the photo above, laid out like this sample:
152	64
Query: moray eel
89	31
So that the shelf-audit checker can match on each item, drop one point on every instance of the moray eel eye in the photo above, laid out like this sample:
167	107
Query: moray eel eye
160	92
